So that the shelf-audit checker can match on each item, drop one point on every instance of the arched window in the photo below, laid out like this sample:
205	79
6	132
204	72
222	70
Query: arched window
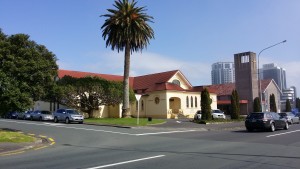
177	82
187	101
192	102
196	102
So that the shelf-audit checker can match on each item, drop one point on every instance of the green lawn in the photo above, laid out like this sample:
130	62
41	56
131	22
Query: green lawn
124	121
14	137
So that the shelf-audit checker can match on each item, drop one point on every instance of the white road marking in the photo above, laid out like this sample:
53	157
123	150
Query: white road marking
283	133
97	130
126	162
55	124
178	122
165	132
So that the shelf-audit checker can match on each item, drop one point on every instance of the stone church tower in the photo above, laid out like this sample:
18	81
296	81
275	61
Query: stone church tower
246	79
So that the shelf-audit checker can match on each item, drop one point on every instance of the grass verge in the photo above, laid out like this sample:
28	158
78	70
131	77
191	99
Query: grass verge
14	137
124	121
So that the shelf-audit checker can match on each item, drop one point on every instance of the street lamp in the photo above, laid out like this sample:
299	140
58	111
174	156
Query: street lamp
259	83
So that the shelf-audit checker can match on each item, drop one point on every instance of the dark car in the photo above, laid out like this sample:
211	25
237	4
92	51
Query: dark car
11	115
266	121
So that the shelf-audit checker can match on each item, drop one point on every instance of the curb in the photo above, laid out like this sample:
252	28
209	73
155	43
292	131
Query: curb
41	143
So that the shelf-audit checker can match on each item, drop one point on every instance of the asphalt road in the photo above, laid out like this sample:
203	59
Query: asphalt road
87	146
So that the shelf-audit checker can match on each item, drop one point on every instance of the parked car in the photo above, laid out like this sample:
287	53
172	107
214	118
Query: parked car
291	118
218	114
20	115
41	115
27	115
11	115
197	115
266	120
67	115
298	115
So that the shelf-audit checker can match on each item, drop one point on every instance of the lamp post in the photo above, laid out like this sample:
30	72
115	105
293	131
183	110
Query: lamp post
259	83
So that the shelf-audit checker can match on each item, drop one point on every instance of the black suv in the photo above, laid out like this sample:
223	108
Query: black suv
265	120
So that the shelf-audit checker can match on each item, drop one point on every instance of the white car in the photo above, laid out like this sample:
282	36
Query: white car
218	114
197	116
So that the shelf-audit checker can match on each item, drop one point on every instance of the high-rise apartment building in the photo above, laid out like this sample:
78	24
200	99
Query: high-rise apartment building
222	72
272	71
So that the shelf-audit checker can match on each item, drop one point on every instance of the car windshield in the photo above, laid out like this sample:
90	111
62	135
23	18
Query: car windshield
46	112
282	114
72	112
256	116
217	111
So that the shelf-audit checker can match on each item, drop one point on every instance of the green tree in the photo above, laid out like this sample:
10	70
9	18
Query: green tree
298	103
235	105
256	105
273	107
126	29
27	72
288	107
88	93
206	105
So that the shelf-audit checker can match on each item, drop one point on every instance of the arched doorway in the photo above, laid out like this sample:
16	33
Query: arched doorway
175	105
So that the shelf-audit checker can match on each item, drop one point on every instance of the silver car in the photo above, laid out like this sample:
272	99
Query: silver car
291	118
41	115
68	116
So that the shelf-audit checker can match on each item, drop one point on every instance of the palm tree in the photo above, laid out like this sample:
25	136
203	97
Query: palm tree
126	28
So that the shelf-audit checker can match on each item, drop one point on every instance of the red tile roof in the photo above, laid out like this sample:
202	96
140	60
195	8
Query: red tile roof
147	81
226	89
142	84
222	89
77	74
164	86
201	88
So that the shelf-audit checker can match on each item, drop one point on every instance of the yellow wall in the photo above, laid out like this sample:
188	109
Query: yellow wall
178	101
183	83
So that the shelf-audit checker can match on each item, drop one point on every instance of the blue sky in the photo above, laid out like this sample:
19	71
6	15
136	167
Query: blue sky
189	35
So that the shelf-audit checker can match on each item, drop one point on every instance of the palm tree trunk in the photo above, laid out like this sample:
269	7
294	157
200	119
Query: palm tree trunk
125	108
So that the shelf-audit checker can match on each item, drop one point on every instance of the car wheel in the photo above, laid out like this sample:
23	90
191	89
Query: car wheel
67	120
272	127
286	127
41	119
24	118
31	118
81	122
55	120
